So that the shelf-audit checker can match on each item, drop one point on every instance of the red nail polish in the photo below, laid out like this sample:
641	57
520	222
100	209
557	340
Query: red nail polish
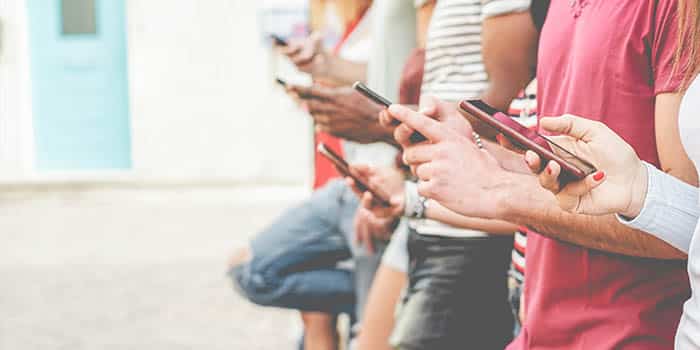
598	176
549	171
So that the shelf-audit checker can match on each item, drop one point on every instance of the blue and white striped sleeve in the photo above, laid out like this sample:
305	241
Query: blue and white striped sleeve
670	211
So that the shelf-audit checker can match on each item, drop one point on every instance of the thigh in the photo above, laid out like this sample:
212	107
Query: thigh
305	237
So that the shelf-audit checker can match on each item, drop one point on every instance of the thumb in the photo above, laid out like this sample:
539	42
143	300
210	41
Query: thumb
570	125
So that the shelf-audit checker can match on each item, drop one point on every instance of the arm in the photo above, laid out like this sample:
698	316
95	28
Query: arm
342	71
509	49
525	202
423	15
437	212
670	210
672	156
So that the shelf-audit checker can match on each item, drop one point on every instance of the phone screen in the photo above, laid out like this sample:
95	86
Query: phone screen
543	141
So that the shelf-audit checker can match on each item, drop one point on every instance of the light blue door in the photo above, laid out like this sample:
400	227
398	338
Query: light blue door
79	84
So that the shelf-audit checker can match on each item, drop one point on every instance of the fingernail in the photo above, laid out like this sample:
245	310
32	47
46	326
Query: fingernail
549	171
599	176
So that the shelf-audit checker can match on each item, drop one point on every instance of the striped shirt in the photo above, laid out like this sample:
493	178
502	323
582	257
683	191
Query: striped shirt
453	65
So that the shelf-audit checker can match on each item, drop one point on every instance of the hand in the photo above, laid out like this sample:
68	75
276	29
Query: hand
308	54
369	228
451	168
621	188
389	181
345	113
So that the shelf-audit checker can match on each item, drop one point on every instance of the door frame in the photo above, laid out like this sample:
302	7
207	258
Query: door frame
16	122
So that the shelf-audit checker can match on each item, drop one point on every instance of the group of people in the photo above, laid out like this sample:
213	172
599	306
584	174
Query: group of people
484	245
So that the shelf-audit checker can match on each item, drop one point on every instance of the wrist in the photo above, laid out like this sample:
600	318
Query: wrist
638	192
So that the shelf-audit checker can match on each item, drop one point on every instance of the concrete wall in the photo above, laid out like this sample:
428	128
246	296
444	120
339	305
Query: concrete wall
204	107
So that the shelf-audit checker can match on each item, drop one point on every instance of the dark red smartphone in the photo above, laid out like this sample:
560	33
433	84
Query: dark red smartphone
416	137
344	169
573	168
279	41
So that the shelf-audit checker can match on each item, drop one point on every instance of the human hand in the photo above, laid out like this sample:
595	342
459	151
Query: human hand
389	181
619	186
369	228
452	169
307	54
345	113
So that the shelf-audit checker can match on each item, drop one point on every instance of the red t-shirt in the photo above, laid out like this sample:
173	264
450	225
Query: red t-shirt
604	60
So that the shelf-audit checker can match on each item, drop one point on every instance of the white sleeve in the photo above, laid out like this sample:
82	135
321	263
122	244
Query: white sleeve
396	253
493	8
670	209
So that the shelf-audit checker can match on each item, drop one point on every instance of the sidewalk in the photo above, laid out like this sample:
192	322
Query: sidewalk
133	269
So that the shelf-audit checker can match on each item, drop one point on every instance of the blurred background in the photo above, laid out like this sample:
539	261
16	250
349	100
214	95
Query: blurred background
141	141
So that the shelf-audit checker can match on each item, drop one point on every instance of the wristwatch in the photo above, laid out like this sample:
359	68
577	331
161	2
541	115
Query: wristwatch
414	203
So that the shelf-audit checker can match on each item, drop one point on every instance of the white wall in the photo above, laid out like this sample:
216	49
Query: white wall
204	107
203	102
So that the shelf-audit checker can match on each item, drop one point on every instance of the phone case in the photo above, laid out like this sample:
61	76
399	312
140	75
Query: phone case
573	167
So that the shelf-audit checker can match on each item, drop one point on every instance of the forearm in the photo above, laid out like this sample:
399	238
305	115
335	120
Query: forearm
437	212
528	204
344	72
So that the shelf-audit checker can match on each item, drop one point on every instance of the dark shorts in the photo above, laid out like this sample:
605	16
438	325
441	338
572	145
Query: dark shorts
457	296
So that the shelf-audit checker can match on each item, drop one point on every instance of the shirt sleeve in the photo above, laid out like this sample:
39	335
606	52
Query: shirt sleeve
420	3
663	47
670	210
493	8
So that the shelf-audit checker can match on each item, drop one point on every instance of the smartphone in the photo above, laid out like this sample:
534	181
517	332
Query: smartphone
573	168
344	169
416	137
279	41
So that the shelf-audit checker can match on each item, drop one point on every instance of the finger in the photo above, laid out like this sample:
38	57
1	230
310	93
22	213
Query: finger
369	241
428	127
577	127
533	162
366	201
427	189
317	106
402	135
507	144
386	120
303	92
320	91
362	170
351	183
425	171
583	187
549	178
419	154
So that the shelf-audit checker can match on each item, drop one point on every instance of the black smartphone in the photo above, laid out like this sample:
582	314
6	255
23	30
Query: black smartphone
279	41
344	169
416	137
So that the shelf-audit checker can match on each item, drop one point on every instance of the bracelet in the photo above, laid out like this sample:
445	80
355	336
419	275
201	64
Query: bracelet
477	140
414	204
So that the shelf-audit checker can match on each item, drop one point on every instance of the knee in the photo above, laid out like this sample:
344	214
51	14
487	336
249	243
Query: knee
248	281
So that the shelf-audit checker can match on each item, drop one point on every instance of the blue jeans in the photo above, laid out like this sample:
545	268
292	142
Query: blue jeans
295	260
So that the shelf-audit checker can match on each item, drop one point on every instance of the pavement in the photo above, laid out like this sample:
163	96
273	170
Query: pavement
133	269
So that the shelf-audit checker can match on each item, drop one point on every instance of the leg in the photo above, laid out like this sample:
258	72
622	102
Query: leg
457	295
320	331
292	263
378	320
366	264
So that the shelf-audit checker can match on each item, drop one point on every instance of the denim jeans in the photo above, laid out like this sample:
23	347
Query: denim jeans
295	260
457	297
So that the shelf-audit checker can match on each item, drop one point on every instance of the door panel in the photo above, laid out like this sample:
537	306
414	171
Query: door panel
79	84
